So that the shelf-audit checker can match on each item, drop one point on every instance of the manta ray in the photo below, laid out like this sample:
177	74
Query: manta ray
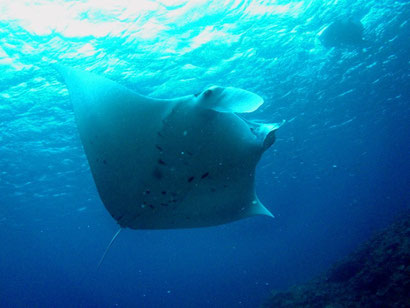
343	33
182	162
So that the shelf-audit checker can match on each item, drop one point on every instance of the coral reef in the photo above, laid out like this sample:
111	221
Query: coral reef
377	274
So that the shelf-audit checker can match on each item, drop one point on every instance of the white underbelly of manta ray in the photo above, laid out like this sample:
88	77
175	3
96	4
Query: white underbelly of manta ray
170	163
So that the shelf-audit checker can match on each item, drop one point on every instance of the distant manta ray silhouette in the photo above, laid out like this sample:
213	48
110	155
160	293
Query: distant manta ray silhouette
185	162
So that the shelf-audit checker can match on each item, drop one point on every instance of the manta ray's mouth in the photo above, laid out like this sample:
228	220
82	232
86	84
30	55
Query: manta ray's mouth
264	132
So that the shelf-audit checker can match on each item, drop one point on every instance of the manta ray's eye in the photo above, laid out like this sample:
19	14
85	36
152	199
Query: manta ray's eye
208	93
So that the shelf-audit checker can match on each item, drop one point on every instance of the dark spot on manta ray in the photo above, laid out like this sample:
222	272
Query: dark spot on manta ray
163	192
197	94
151	206
190	179
161	162
159	148
204	175
189	153
157	174
159	134
164	204
208	93
104	162
147	192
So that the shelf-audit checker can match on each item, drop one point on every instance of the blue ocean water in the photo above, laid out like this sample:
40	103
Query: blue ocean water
338	172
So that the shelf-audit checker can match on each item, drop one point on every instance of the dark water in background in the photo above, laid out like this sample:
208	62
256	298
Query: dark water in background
338	171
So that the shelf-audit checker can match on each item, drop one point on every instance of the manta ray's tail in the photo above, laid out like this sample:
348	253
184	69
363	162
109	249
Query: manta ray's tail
108	248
